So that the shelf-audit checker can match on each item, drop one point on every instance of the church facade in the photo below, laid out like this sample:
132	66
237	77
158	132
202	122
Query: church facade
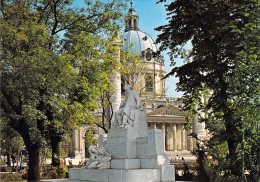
162	112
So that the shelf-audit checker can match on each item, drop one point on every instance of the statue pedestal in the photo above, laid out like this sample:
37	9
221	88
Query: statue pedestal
121	143
164	174
137	155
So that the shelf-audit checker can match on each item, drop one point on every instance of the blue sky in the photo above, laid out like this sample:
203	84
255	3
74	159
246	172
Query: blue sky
152	15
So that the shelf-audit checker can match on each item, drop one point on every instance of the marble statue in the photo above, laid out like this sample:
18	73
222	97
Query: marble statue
125	115
99	158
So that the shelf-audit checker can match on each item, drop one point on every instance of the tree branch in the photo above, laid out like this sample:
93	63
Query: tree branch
55	17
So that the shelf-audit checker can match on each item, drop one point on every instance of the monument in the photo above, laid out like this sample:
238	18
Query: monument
136	154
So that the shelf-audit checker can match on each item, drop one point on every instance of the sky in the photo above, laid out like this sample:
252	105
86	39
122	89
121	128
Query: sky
152	15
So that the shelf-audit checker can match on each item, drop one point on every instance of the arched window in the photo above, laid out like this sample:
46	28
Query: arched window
135	24
149	83
129	24
160	106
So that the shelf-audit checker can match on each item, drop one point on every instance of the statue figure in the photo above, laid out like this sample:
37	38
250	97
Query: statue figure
125	115
99	158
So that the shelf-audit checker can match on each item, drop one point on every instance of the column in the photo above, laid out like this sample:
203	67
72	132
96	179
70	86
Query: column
115	80
77	144
82	143
72	145
179	137
189	141
169	137
174	137
154	125
164	136
194	143
183	136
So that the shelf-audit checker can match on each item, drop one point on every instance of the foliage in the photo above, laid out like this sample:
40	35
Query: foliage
223	66
54	62
56	173
12	177
90	138
131	69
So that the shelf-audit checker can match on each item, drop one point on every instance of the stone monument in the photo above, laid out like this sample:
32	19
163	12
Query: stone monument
137	155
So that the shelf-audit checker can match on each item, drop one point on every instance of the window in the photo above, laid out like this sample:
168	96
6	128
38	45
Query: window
135	24
149	83
148	56
129	24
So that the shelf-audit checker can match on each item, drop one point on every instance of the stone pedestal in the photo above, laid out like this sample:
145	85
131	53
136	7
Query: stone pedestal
121	143
137	155
125	164
116	175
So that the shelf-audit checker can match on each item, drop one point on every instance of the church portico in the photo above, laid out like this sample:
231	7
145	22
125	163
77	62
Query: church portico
171	120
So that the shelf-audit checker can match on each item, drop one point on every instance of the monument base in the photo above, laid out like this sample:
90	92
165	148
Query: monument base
164	174
137	156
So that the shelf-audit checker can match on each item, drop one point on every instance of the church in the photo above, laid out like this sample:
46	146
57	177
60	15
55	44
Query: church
162	112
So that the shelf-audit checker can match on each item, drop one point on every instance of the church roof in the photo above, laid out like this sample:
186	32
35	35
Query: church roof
137	42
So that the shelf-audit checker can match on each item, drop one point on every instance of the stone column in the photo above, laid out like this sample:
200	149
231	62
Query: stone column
189	141
179	138
154	126
164	135
77	145
72	145
174	137
115	80
194	143
183	136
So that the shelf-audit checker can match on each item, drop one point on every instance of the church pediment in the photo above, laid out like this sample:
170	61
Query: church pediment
169	110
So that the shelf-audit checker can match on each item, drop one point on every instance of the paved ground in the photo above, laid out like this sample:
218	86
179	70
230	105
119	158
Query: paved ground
68	180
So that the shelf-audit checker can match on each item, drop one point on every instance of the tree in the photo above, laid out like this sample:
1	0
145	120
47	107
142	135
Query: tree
219	33
246	88
53	58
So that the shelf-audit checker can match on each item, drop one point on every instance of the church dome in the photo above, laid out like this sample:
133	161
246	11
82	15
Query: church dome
137	41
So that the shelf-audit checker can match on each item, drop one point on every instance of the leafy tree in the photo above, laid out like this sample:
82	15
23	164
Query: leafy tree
53	58
246	88
225	60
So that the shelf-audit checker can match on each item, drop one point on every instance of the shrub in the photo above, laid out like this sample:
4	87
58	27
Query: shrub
12	177
56	173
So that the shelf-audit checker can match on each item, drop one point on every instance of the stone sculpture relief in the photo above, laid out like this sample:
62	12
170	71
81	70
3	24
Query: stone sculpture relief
125	116
99	158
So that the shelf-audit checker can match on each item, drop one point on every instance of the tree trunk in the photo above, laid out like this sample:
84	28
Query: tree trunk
34	163
55	146
9	158
17	161
232	145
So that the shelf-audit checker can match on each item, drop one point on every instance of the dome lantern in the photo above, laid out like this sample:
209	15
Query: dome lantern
131	19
